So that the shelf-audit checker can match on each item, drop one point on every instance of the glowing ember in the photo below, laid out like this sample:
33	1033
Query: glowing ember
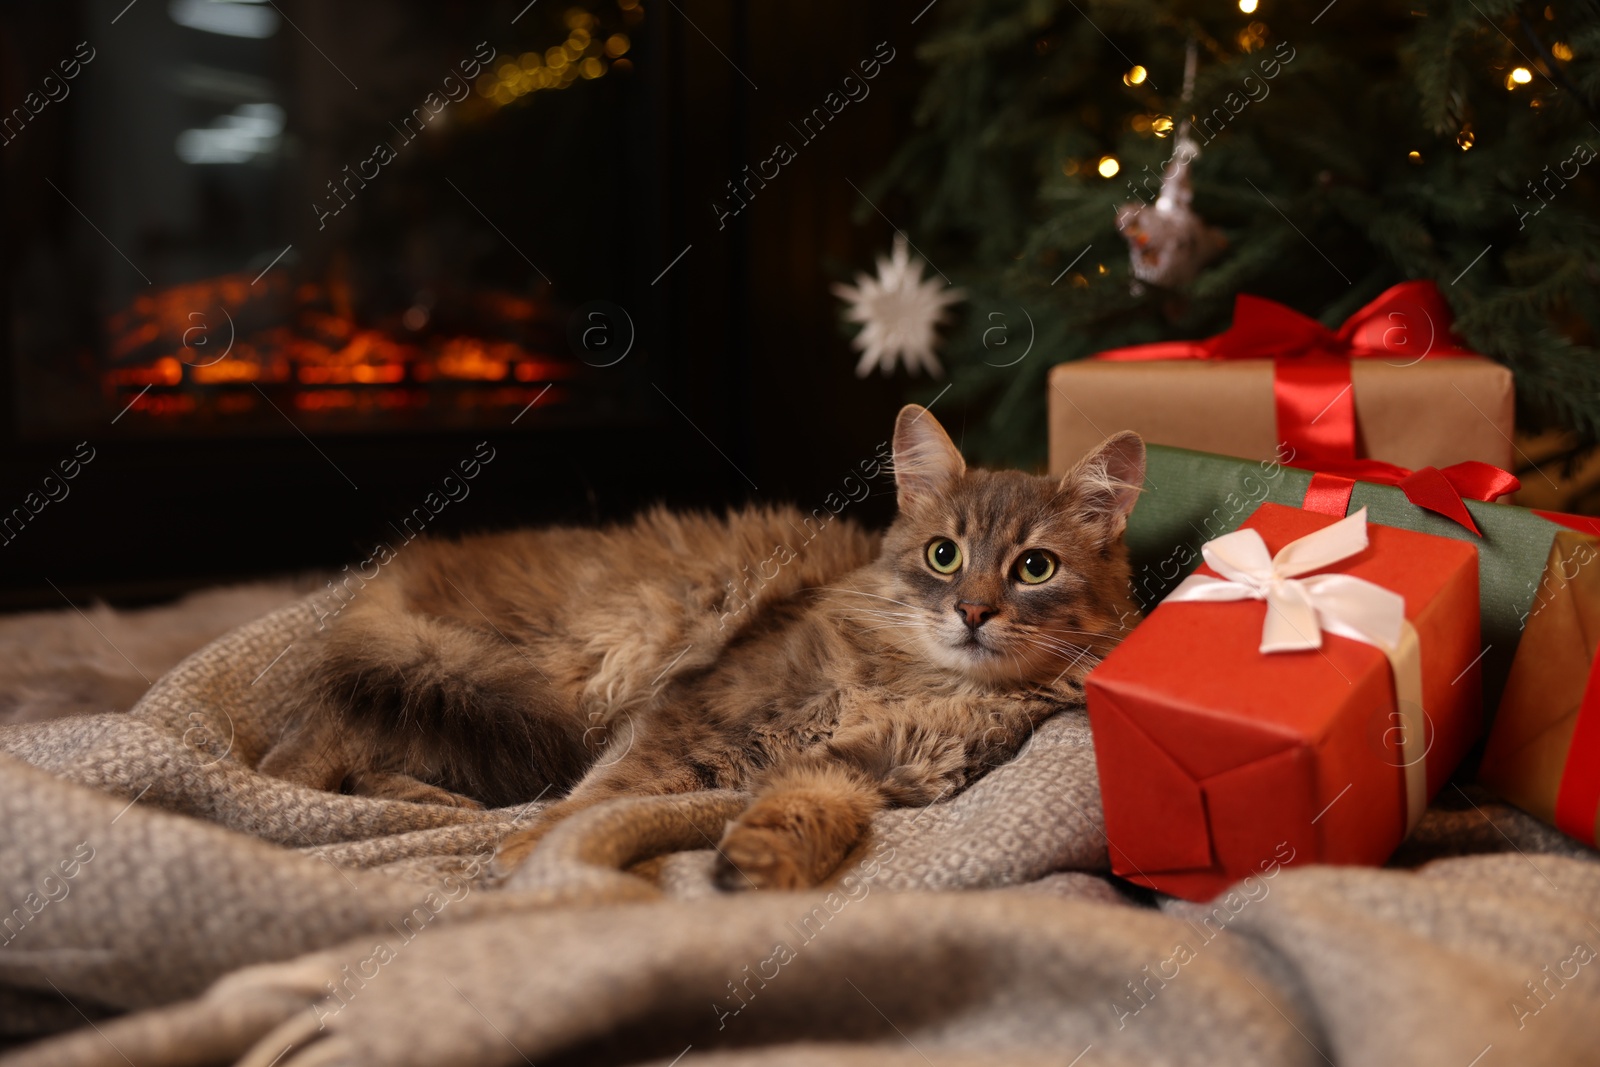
204	347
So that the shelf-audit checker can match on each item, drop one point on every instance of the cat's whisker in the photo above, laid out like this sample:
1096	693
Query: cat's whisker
1069	667
1081	656
906	620
1096	642
899	647
1065	630
881	611
1063	647
1078	653
888	626
1055	642
870	612
875	596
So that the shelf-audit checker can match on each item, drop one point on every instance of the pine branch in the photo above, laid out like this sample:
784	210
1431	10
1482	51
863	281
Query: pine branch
1350	156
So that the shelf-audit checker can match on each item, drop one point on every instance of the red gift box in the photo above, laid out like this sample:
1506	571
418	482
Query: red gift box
1218	760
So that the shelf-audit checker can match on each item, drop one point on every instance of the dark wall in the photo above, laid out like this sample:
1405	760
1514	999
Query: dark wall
820	420
753	378
782	400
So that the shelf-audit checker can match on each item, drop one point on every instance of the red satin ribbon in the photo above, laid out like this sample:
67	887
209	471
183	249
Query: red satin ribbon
1329	494
1582	523
1440	491
1578	799
1316	410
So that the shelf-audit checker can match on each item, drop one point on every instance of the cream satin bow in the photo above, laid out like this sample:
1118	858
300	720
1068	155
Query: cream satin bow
1300	610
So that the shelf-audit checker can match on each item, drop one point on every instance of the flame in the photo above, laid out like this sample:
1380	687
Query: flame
233	331
467	357
164	371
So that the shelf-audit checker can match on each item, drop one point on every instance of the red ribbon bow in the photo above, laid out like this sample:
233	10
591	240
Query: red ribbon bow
1440	491
1311	364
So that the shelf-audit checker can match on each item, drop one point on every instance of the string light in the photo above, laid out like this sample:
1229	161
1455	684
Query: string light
1160	125
581	55
1465	139
1248	6
1561	50
1414	156
1519	76
1135	76
1108	166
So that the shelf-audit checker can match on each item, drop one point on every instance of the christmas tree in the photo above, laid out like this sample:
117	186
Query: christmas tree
1342	147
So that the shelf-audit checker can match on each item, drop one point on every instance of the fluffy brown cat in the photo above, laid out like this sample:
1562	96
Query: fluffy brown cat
863	673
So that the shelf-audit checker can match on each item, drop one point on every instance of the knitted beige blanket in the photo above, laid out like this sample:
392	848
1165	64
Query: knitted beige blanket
164	904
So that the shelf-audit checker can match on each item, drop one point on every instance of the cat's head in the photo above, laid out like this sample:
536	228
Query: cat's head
1003	576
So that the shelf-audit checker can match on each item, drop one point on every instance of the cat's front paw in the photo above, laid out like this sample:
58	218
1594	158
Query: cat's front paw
791	839
763	851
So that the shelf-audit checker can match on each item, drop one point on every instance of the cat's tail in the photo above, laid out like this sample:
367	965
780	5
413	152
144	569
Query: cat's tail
453	706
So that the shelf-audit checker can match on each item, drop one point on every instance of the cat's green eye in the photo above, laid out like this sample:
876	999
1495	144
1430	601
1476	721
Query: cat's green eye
944	555
1036	566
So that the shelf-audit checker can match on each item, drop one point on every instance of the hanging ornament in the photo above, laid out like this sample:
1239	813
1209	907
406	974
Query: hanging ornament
899	311
1168	243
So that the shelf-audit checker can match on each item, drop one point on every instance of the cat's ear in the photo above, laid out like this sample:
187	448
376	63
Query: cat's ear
1106	483
925	460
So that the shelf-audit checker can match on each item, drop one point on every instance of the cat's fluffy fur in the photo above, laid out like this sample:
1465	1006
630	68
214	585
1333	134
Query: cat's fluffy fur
643	659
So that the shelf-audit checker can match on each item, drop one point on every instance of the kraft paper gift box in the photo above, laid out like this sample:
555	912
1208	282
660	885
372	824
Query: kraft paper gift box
1543	754
1216	757
1389	385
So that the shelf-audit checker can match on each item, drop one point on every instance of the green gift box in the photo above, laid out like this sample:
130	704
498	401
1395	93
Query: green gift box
1190	498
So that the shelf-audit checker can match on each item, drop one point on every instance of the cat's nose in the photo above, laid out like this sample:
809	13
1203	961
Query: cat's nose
975	615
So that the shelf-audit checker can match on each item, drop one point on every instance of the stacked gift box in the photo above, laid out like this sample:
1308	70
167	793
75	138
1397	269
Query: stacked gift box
1391	384
1336	611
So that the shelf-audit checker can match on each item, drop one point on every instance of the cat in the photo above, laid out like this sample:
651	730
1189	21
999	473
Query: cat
867	671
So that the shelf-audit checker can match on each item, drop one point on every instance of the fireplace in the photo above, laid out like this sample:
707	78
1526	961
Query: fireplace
236	237
279	267
303	349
